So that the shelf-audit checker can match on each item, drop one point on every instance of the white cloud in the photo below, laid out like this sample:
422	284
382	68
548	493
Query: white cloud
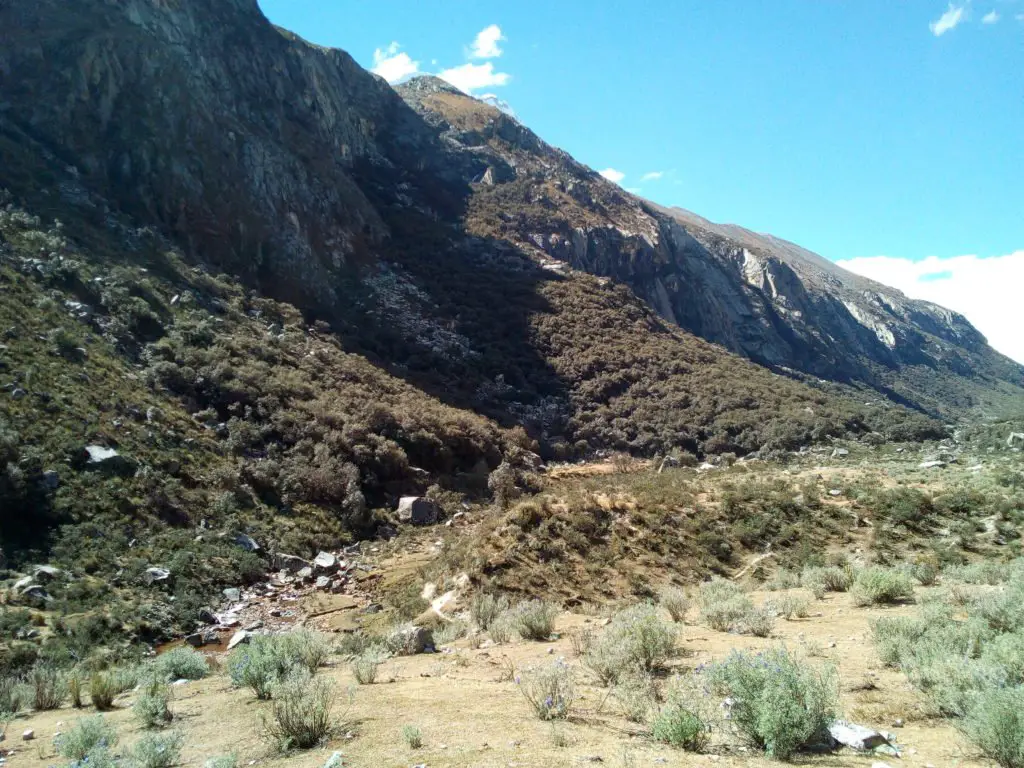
485	46
612	175
393	65
471	77
652	176
984	290
991	17
949	20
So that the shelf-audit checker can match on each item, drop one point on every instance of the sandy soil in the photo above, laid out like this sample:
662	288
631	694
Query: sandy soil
471	714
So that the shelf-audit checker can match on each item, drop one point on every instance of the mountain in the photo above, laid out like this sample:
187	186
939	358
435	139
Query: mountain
249	288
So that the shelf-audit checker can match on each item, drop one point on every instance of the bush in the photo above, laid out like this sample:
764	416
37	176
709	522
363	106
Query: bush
304	648
102	691
877	586
778	704
637	695
86	736
12	694
485	609
637	641
550	689
412	736
156	750
301	717
995	724
49	688
365	666
222	761
450	632
152	707
681	726
827	579
533	619
675	601
757	622
268	659
789	605
181	664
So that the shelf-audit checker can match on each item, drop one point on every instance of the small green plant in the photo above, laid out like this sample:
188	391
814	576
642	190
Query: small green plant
12	694
675	601
550	689
637	695
681	726
102	691
49	688
302	711
789	605
826	579
779	705
85	737
75	689
156	750
268	659
878	586
181	664
412	736
757	622
485	609
222	761
533	619
305	648
152	707
637	640
500	630
365	667
995	724
450	632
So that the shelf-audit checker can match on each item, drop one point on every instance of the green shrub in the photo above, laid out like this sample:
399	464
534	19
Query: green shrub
74	689
222	761
156	750
995	724
12	694
365	666
757	622
152	707
550	689
103	690
783	579
86	736
789	605
412	736
450	632
826	579
675	601
500	630
257	665
533	619
778	705
302	709
49	687
636	641
304	648
876	586
681	726
637	695
181	664
485	609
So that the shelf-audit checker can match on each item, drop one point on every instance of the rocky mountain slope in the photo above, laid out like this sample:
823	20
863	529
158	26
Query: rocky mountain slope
769	300
284	295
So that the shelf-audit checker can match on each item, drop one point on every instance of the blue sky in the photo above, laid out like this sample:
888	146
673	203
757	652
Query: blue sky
859	129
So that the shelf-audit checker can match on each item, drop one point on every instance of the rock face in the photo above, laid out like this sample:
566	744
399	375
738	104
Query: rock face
287	165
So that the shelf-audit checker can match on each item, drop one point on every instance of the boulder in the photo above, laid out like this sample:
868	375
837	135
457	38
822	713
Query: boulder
28	735
325	562
108	460
417	510
45	573
931	464
153	575
409	640
207	616
241	636
246	542
199	639
232	594
305	574
838	453
1014	438
323	582
856	736
290	563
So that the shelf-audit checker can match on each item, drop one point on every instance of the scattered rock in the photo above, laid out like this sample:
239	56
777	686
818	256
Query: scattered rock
154	575
207	616
103	459
417	510
835	492
246	542
28	735
932	464
232	594
856	736
325	561
241	636
289	563
838	453
305	573
335	761
409	640
199	639
1014	438
46	573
